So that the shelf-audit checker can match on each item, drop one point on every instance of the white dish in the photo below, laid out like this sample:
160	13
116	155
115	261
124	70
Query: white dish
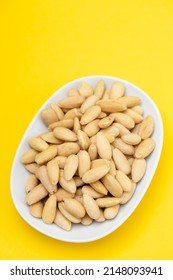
81	233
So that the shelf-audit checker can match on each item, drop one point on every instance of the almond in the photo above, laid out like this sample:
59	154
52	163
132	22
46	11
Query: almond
62	123
138	169
44	178
67	215
61	221
121	162
95	174
71	102
90	114
70	167
31	183
36	194
105	122
117	90
103	146
111	212
68	149
74	207
29	156
53	171
59	112
145	148
131	139
112	185
129	101
85	89
111	106
49	210
46	155
83	139
36	209
69	185
107	201
99	88
146	128
48	116
91	207
124	181
84	163
65	134
90	101
124	119
92	151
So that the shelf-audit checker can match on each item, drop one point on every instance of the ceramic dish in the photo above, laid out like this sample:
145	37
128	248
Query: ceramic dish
81	233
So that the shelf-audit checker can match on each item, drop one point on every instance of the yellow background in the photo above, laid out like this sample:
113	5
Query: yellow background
45	44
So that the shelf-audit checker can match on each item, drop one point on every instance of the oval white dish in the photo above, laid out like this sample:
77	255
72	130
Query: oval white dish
81	233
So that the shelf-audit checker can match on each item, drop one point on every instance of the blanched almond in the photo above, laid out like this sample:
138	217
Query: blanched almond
91	206
99	187
122	129
38	144
147	127
66	214
61	160
111	212
112	170
131	138
95	174
92	128
59	112
84	163
72	114
107	201
111	106
61	194
68	149
117	90
105	122
90	114
83	139
126	196
46	155
91	192
121	162
65	134
99	88
134	115
32	167
145	148
50	138
44	179
71	102
77	125
92	151
138	169
70	167
101	218
124	181
86	220
126	149
29	156
138	109
74	207
103	146
36	194
49	210
48	116
61	221
106	94
73	92
112	185
62	123
53	171
36	209
99	162
124	119
85	89
31	183
129	101
90	101
78	181
69	185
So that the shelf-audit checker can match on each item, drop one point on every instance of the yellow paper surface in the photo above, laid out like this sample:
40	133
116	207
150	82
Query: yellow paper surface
45	44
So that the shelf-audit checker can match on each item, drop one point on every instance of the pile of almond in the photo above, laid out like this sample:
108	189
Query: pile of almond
88	162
